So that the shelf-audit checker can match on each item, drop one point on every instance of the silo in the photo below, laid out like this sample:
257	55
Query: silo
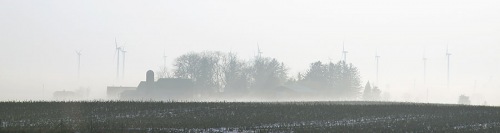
150	79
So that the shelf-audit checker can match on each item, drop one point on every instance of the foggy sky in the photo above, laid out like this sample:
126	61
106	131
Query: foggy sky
38	40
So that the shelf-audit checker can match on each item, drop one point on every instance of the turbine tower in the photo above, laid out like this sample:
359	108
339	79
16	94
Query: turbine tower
164	59
376	59
259	53
78	53
448	57
117	51
344	53
425	76
123	62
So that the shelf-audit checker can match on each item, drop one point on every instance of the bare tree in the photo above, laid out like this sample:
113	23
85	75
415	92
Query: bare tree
163	72
204	68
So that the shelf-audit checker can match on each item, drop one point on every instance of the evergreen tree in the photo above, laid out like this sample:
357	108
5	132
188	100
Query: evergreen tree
367	92
338	81
267	74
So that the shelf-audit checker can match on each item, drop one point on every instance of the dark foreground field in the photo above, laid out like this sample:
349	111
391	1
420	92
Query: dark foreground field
244	117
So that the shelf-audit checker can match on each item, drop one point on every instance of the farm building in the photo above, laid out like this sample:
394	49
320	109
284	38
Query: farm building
65	95
162	89
113	92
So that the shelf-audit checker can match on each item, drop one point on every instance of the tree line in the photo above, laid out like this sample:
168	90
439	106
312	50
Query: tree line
225	74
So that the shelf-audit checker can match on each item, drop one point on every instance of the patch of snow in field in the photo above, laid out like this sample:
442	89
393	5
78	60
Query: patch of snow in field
478	126
344	122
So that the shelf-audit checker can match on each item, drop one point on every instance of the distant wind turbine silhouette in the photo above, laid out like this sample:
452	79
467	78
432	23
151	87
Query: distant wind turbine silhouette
117	51
376	59
79	54
123	62
330	59
164	59
259	53
425	76
344	53
448	54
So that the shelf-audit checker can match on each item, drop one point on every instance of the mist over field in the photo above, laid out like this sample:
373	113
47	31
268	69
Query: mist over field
440	51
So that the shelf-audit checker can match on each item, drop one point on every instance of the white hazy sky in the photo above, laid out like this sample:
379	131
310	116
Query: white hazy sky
38	40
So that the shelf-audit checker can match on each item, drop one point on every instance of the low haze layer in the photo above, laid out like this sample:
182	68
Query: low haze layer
39	39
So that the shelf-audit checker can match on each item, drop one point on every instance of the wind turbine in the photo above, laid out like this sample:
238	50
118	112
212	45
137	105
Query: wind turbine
259	53
425	76
344	53
164	59
330	59
78	53
123	63
117	51
448	57
377	58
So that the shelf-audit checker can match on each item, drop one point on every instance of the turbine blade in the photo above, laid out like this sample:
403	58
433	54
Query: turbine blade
343	46
114	56
116	44
258	47
447	52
